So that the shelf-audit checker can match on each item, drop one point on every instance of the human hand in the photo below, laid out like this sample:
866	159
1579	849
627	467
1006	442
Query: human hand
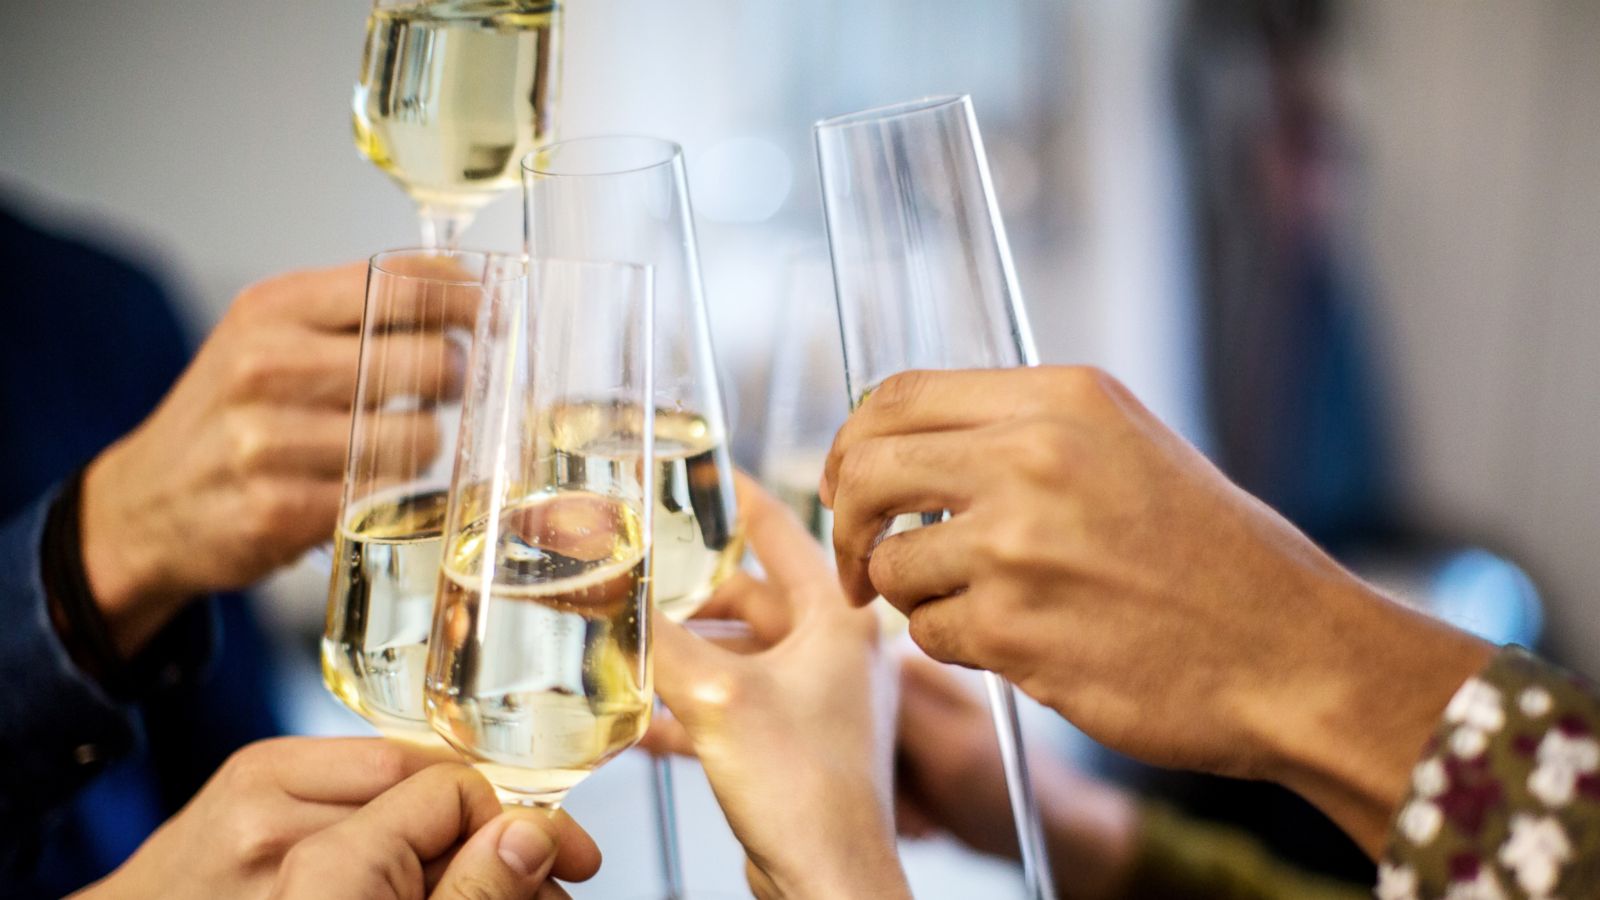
408	838
1104	566
238	471
796	735
229	840
949	777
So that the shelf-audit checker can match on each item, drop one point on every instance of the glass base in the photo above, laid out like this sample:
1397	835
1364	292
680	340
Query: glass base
550	801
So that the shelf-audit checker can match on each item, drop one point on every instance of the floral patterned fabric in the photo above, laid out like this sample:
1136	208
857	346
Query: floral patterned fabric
1505	803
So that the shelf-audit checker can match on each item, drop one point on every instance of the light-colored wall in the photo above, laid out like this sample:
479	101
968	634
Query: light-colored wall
1480	129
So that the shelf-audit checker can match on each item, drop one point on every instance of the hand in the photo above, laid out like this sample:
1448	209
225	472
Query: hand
950	778
396	846
795	736
229	840
1104	566
238	471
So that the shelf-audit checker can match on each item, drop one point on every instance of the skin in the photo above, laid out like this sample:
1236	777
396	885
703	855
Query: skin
356	818
811	805
239	469
1108	569
950	779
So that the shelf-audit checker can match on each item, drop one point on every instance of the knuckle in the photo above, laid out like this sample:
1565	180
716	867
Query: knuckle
387	762
1086	386
256	836
926	633
899	391
252	370
858	466
1040	448
249	443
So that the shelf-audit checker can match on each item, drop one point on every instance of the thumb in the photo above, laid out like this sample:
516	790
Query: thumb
508	858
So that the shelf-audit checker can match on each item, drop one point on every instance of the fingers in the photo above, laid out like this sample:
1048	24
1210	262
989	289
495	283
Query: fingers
509	858
941	628
924	401
424	293
343	770
277	440
427	814
885	477
317	369
792	559
925	563
688	670
666	737
327	299
748	599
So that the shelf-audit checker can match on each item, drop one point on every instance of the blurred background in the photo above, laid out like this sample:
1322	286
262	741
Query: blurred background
1348	247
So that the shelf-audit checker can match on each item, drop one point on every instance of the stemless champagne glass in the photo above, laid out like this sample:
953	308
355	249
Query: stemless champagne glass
452	94
627	198
539	655
420	310
924	279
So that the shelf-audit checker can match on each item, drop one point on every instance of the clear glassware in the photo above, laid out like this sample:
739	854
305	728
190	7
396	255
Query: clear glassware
450	97
539	655
627	198
806	396
924	280
416	327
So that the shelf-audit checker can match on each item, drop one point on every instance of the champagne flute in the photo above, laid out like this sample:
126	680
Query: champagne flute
415	329
452	94
806	395
539	654
924	279
627	198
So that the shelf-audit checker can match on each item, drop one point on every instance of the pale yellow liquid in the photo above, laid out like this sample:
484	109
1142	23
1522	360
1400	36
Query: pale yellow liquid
453	93
696	539
380	607
541	663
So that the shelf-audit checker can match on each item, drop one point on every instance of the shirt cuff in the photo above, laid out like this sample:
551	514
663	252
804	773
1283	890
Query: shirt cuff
58	727
1506	799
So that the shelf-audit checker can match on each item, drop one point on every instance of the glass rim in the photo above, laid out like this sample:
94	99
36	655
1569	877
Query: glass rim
892	111
378	262
671	151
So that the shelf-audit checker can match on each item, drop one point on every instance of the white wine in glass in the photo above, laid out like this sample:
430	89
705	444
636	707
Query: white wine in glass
539	654
452	94
420	310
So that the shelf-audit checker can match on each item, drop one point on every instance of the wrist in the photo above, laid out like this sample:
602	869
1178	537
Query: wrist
121	558
854	853
1349	730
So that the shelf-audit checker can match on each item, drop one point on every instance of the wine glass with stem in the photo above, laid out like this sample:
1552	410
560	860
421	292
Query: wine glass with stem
451	95
416	326
538	667
627	198
923	279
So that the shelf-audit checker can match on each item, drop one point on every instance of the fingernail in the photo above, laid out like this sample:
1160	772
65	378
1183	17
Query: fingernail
525	846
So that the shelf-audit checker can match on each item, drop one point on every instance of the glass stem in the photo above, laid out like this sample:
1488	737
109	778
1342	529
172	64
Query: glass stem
442	226
667	826
1024	807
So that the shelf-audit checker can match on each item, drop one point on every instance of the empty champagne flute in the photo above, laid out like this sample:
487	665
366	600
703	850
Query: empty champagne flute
452	94
627	198
416	326
924	279
806	395
539	656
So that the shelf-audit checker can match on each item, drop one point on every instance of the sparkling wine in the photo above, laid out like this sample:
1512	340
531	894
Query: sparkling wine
543	673
697	541
453	93
380	605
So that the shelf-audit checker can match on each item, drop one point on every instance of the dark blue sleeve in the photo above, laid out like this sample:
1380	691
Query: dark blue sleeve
58	728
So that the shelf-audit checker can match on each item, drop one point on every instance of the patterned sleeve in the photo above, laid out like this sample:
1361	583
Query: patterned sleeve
1505	803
